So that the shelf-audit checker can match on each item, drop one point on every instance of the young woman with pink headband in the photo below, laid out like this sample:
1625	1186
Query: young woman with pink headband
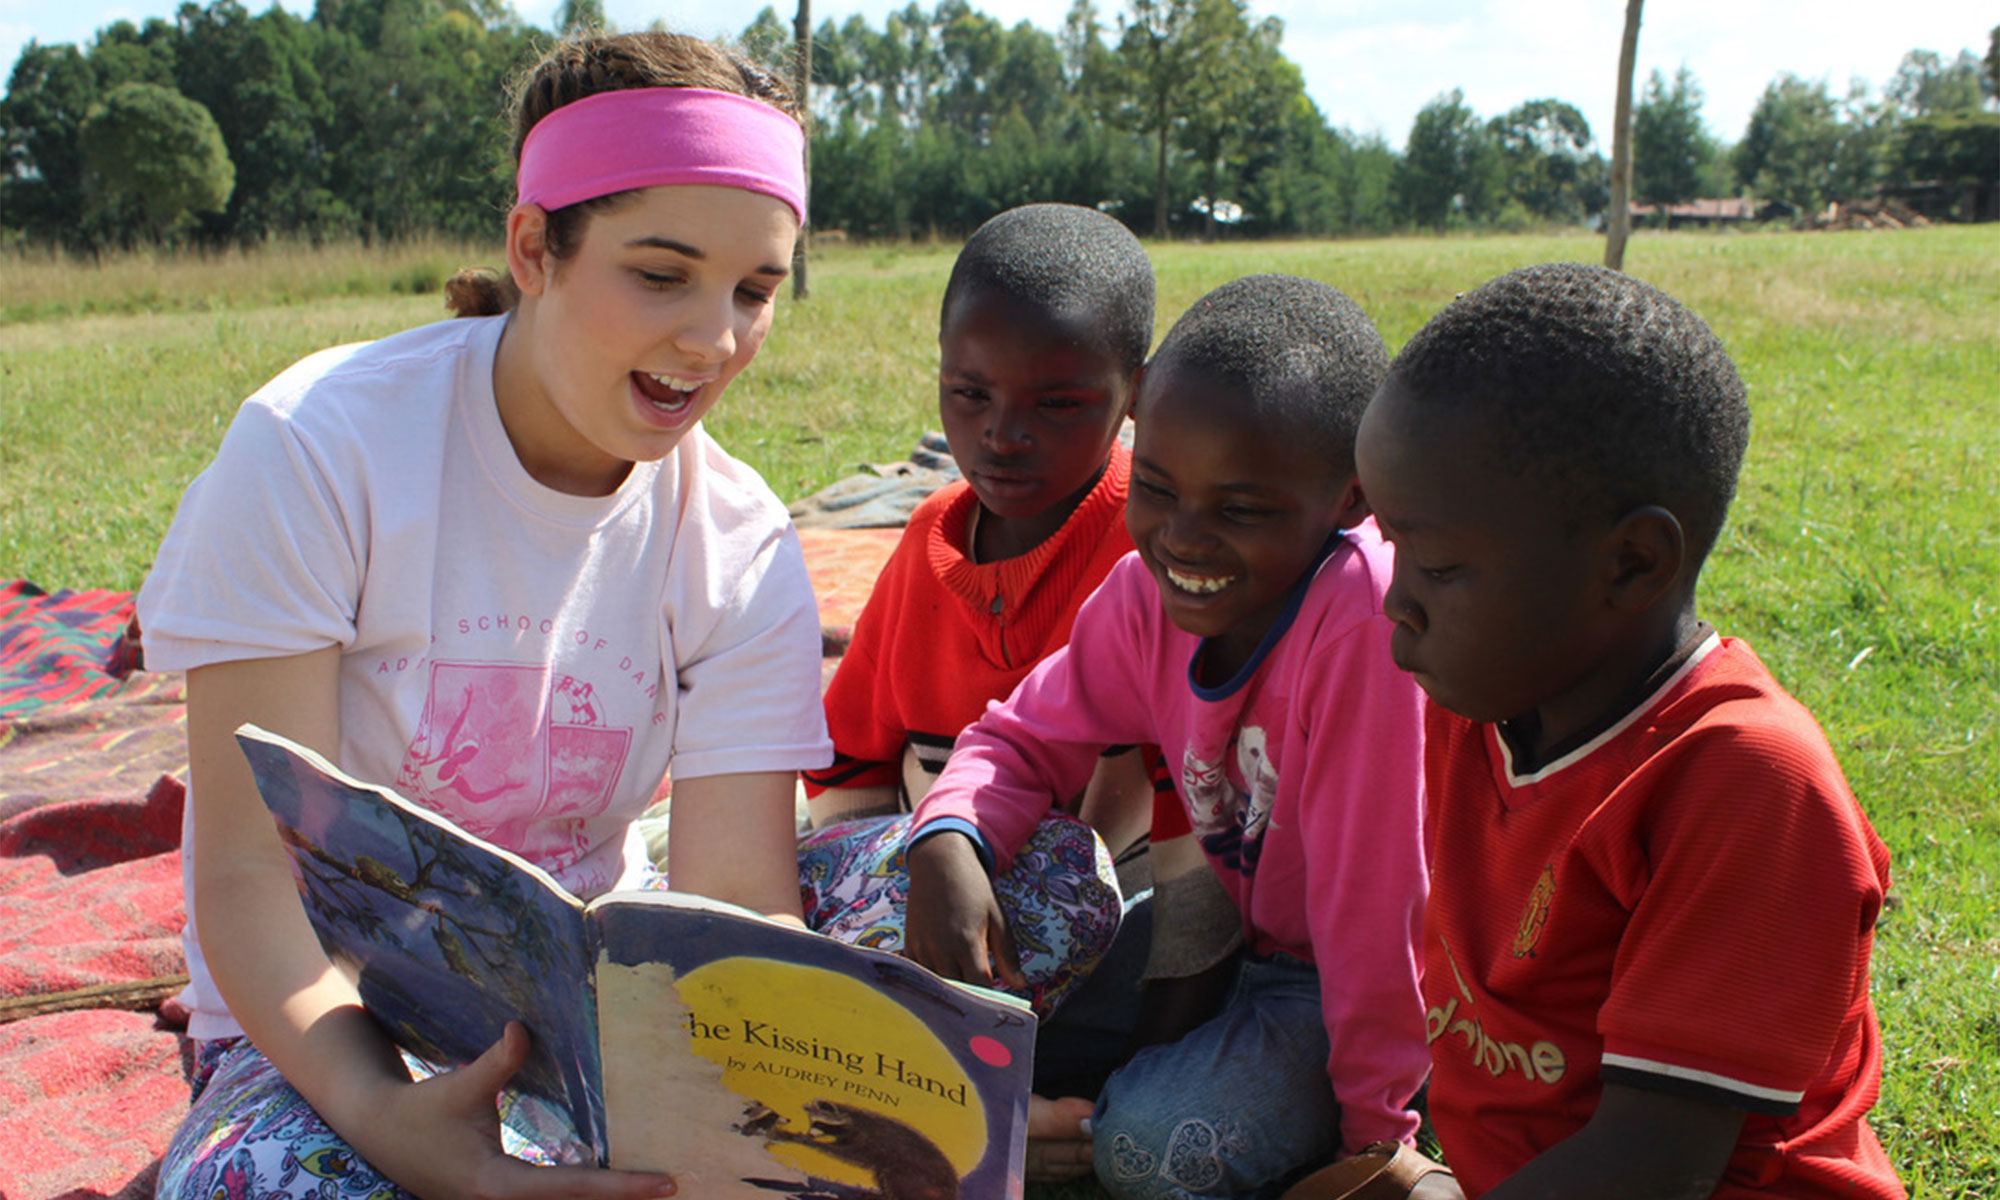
499	562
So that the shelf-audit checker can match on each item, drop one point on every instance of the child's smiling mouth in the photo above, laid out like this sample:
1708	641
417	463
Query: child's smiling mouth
1200	585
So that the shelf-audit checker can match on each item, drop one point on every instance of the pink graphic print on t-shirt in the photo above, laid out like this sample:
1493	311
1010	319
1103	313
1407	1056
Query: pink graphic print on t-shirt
517	755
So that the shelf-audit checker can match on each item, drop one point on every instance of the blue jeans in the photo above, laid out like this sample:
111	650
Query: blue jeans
1240	1107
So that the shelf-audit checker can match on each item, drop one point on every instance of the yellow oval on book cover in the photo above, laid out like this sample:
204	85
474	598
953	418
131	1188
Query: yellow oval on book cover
847	1080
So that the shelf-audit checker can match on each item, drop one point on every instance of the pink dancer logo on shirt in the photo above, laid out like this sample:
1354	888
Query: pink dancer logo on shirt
515	756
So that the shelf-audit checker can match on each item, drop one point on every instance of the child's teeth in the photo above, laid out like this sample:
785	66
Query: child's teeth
679	385
1200	584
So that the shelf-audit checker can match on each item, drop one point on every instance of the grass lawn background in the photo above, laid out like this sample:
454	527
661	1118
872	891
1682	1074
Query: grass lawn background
1862	558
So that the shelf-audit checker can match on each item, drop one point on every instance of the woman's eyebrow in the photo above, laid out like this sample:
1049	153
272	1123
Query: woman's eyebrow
664	243
656	242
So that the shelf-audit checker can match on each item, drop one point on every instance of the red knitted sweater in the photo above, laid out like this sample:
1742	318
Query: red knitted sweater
942	635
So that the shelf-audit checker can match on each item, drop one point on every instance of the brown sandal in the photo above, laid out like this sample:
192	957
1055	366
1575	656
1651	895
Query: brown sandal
1384	1171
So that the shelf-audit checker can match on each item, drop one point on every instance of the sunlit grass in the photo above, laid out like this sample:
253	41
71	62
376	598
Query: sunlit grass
41	284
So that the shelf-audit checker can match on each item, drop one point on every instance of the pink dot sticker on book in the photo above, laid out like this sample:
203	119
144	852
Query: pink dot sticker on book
991	1051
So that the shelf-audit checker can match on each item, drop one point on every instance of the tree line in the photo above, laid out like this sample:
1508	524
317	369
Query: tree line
381	119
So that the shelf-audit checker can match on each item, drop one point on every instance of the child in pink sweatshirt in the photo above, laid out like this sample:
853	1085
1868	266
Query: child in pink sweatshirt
1245	637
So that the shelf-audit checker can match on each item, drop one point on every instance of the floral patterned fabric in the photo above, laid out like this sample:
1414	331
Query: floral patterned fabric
251	1136
1060	896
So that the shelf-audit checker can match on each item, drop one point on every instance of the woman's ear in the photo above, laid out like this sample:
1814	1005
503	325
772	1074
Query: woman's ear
1645	553
527	248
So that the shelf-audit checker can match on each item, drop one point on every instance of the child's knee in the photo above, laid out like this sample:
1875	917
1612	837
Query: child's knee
1163	1155
1157	1138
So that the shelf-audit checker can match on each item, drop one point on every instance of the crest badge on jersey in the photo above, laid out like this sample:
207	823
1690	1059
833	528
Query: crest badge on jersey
1535	914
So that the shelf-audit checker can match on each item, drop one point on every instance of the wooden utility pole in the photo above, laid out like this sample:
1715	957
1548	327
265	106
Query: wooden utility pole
803	57
1618	222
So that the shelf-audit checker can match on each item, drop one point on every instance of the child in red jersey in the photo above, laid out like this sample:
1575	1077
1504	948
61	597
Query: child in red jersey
1653	895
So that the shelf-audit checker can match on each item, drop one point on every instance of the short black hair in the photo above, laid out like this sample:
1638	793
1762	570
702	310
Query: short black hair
1289	351
1074	263
1604	390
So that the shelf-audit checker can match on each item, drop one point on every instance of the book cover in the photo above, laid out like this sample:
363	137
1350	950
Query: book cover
746	1057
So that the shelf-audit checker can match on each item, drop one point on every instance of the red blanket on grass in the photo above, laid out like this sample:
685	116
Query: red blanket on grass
91	1084
91	754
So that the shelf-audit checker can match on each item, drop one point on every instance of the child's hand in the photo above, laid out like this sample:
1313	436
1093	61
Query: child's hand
446	1140
953	925
1059	1146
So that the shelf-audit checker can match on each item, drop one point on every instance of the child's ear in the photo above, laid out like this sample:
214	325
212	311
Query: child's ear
1645	552
527	248
1352	508
1132	392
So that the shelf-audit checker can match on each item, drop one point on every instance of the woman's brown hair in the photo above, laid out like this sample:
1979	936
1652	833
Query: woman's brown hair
584	65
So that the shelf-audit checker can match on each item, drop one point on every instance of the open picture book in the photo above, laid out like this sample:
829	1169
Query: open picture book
746	1057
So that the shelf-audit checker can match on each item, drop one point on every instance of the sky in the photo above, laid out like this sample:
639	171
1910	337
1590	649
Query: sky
1370	65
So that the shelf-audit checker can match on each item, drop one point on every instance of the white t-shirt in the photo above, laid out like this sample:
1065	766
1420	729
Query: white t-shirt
527	662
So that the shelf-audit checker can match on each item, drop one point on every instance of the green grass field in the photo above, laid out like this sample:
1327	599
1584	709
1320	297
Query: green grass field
1862	558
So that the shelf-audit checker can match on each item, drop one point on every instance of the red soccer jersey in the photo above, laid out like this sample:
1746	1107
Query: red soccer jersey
1686	903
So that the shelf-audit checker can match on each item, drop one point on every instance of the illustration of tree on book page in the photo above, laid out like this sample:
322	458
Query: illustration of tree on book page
747	1058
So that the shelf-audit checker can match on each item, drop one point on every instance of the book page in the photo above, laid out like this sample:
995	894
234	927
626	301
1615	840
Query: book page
664	1103
848	1069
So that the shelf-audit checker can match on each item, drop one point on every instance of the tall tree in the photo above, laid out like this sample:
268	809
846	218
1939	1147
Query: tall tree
1618	225
257	76
155	158
768	40
122	53
1448	168
1241	87
1925	85
1791	149
1547	167
1672	153
41	154
1158	51
1961	151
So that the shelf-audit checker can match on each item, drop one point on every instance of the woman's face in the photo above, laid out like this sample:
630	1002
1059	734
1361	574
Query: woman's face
633	339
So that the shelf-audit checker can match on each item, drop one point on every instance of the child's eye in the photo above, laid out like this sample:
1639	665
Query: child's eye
1060	403
966	395
1244	514
1438	574
1151	490
659	280
753	297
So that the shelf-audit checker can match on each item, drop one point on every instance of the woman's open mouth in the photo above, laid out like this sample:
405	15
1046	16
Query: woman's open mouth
668	395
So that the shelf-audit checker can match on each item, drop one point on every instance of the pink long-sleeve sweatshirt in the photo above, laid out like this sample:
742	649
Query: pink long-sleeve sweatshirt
1303	779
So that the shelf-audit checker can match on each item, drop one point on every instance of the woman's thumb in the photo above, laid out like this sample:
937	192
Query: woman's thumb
492	1069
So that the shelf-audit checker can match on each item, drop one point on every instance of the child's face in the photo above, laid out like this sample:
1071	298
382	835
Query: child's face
1030	406
1495	598
1227	516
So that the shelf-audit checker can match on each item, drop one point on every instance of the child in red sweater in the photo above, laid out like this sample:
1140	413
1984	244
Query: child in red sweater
1043	334
1042	337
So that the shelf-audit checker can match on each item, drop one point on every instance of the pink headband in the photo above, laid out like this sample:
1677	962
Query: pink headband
640	137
